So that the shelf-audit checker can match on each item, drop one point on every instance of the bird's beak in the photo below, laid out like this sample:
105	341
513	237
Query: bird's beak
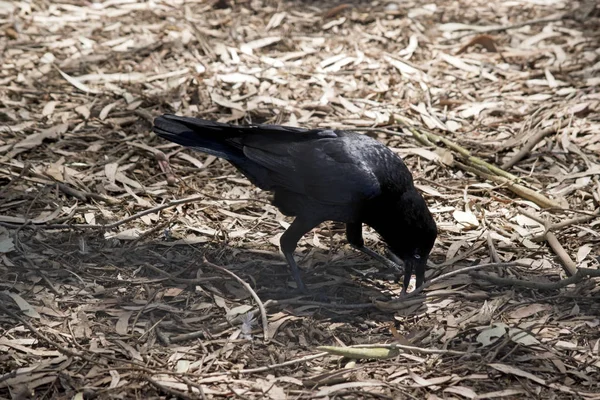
418	266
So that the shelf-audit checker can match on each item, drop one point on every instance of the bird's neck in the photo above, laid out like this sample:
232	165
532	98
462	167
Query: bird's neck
394	211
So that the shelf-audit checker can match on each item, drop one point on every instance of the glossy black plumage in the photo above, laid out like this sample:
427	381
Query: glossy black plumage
322	175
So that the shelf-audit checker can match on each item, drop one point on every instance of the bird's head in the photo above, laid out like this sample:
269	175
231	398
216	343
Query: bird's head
410	232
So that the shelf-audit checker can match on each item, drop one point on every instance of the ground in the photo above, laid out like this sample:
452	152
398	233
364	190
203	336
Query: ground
162	305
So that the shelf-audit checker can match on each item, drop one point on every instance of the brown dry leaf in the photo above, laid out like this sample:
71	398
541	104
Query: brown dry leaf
486	41
222	101
466	219
462	391
76	83
49	108
24	306
509	369
329	390
528	310
335	11
122	324
36	139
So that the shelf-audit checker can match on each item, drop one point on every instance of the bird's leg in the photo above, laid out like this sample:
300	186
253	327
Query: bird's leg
289	241
354	236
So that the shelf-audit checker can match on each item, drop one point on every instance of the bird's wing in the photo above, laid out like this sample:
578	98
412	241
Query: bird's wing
331	170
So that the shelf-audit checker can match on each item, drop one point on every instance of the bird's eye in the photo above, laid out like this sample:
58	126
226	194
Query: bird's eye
416	256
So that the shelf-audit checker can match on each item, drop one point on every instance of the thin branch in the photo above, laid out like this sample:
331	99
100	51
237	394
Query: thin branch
580	275
414	348
480	167
32	225
568	264
380	130
527	147
461	271
272	366
520	190
511	26
168	390
259	303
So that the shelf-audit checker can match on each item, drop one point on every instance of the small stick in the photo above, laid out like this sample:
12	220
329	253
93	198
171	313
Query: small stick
568	264
173	392
259	303
527	147
581	274
275	366
460	271
173	203
512	26
414	348
492	248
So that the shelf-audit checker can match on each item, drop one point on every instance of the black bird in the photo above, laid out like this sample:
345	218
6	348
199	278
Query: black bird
322	175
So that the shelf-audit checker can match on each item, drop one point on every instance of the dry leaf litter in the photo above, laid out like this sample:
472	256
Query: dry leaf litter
493	105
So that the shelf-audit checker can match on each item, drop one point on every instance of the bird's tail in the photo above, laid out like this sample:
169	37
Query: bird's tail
206	136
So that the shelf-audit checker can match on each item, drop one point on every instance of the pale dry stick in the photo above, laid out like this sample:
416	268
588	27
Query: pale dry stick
379	130
480	167
299	301
492	248
414	348
173	392
466	154
569	222
529	145
259	303
567	262
512	26
579	276
463	270
519	190
270	367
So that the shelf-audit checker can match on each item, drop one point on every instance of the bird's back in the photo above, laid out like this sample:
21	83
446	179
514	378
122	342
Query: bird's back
309	170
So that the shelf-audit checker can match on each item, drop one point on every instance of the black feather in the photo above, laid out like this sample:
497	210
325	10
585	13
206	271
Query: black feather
319	175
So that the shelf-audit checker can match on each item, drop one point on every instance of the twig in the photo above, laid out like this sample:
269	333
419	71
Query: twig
298	301
466	154
512	26
568	264
259	303
175	279
380	130
168	390
580	275
529	145
480	167
275	366
574	221
415	349
516	188
461	271
85	196
492	248
173	203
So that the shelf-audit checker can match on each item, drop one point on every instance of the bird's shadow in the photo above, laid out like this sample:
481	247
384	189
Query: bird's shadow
93	263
